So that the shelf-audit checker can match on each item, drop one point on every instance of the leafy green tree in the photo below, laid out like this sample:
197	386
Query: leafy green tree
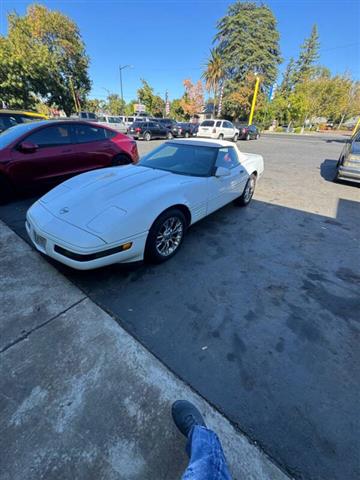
130	107
114	104
154	104
309	53
94	105
176	110
288	80
158	106
248	41
43	56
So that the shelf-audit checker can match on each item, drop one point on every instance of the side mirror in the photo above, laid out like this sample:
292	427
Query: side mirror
27	147
222	172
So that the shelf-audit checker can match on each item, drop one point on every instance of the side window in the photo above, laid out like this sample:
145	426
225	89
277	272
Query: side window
218	124
110	133
87	133
27	119
357	138
227	157
7	121
51	136
228	125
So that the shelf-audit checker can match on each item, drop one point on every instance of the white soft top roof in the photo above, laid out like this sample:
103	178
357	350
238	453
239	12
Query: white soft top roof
204	142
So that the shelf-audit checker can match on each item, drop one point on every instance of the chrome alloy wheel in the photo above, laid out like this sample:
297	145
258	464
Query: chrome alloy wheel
249	189
169	236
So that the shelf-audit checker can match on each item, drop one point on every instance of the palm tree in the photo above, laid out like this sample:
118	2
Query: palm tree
214	74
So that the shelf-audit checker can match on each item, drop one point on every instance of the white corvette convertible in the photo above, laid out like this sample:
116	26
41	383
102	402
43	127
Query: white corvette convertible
128	213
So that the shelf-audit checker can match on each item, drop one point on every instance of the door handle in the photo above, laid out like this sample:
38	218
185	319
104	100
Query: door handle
68	150
241	171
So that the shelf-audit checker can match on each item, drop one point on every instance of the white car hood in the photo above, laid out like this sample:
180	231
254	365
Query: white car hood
80	200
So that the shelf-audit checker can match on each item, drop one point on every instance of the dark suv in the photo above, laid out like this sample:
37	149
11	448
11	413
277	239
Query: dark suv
188	129
248	132
171	125
148	130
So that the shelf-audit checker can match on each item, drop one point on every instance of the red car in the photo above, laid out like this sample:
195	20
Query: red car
47	152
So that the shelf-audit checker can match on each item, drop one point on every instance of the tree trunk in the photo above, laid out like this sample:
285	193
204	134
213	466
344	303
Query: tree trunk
220	99
214	109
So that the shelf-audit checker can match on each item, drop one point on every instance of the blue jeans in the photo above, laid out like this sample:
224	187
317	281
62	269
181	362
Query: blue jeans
207	460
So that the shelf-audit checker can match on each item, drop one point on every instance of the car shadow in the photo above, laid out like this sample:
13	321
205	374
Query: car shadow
337	140
240	313
328	169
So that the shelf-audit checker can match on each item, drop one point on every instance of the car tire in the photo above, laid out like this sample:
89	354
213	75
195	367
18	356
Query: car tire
169	135
121	159
248	192
187	135
147	136
221	136
172	218
6	190
247	136
236	138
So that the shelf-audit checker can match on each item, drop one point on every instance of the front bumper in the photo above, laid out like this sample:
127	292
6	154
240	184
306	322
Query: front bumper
85	258
349	173
206	135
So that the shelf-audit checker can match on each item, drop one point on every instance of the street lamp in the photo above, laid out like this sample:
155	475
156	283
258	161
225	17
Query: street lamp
121	68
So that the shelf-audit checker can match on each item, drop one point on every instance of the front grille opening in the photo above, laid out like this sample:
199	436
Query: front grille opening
90	256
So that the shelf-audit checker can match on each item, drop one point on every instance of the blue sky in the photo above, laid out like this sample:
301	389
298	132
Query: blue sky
167	41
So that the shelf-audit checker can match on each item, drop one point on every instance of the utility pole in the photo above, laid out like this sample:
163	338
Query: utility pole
356	126
254	100
121	68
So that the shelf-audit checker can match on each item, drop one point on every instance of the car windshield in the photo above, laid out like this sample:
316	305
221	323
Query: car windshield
182	159
11	134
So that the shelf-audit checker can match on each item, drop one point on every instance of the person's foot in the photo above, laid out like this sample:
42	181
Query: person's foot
186	416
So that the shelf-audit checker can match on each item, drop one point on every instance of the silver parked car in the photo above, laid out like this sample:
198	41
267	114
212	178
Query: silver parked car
348	166
114	122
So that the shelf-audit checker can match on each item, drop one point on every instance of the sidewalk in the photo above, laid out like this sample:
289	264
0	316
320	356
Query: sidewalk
82	399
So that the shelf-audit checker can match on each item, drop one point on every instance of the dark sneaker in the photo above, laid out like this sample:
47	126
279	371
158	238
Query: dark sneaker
186	416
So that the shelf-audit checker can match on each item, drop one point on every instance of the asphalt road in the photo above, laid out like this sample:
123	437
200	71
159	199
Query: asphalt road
259	311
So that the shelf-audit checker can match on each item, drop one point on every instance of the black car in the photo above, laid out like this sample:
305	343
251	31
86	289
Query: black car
348	166
188	129
148	130
171	125
248	132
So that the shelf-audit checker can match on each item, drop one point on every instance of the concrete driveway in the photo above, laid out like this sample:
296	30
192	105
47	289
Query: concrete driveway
259	311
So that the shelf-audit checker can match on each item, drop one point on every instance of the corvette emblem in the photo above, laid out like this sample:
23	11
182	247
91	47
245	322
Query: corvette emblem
64	210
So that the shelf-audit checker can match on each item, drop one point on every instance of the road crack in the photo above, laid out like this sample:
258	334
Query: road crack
27	334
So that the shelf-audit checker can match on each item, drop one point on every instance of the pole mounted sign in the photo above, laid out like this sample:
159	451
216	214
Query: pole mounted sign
139	108
272	91
167	103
